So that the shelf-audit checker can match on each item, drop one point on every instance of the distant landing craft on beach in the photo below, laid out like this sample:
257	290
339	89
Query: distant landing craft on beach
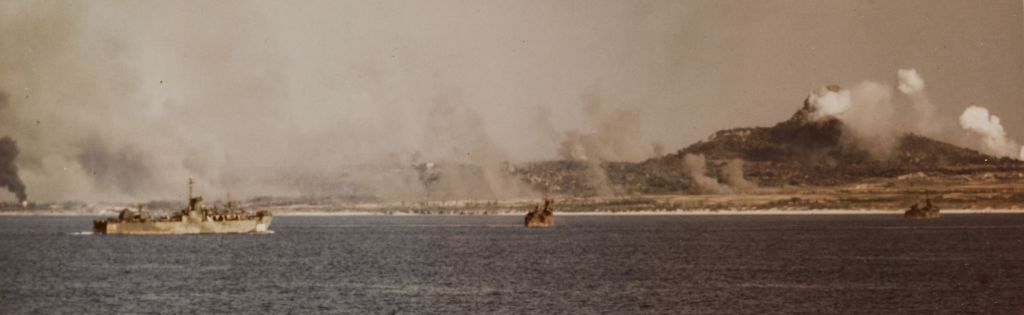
929	211
194	219
539	218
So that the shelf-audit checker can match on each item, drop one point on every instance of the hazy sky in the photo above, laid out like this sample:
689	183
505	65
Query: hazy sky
124	99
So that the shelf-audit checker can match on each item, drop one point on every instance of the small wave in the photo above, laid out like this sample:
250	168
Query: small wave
81	233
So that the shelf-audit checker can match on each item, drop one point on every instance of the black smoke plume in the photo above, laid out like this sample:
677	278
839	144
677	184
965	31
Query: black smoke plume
9	171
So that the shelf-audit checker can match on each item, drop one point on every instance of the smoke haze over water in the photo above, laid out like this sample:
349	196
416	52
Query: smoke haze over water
124	100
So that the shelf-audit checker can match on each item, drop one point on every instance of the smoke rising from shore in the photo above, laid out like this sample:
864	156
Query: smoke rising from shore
245	109
614	135
8	154
875	120
9	171
979	121
829	101
116	100
922	119
696	166
610	134
122	101
872	123
867	112
732	173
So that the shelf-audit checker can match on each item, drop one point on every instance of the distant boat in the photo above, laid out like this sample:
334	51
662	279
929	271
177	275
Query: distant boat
929	211
540	218
195	219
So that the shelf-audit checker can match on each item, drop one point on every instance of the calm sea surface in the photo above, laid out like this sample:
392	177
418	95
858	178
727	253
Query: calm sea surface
489	264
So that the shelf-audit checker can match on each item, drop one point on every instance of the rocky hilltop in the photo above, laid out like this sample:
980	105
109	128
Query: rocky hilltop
800	151
797	152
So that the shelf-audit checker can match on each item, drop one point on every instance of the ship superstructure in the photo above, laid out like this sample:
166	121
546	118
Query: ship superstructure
929	211
541	217
194	219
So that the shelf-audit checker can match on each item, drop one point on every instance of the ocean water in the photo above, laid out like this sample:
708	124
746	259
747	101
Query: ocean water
734	264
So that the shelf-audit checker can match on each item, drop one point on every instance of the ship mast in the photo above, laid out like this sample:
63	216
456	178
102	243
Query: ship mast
190	184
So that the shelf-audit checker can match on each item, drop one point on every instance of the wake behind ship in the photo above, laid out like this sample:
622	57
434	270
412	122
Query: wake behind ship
194	219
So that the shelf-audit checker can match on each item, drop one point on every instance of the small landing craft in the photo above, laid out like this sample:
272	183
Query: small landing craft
540	218
929	211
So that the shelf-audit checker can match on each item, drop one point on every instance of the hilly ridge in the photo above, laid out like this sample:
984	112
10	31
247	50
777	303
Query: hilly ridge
797	152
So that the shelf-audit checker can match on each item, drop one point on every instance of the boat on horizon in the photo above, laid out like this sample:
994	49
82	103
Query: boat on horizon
540	218
194	219
929	211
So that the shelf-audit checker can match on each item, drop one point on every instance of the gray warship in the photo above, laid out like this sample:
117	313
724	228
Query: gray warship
540	218
929	211
194	219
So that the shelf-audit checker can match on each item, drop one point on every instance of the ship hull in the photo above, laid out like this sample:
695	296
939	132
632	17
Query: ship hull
540	221
244	226
921	214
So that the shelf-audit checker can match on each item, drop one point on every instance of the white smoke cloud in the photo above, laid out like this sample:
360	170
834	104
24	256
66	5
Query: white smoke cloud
979	121
874	119
909	81
829	101
921	120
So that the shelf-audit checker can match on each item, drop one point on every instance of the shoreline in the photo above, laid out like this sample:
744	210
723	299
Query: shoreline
671	213
580	213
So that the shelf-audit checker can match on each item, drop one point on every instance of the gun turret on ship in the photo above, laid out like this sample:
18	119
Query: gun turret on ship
541	217
194	219
929	211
